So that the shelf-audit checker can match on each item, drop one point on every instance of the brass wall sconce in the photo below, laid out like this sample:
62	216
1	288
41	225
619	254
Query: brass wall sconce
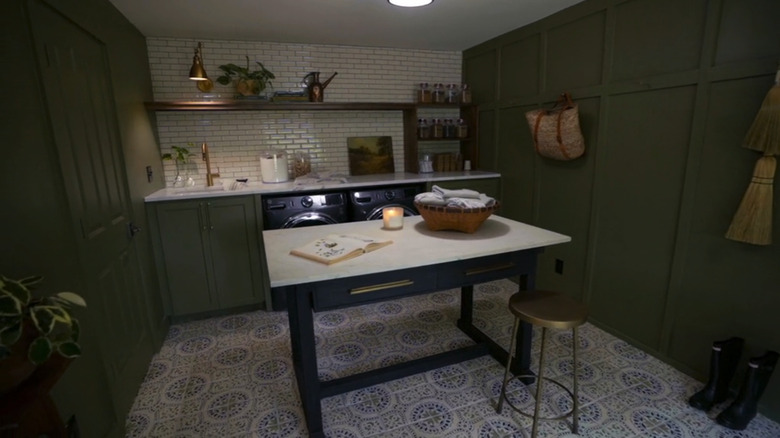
198	73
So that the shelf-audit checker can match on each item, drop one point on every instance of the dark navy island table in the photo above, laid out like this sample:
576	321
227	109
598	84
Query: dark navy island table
418	261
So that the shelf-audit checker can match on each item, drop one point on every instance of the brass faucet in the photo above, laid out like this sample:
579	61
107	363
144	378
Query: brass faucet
209	176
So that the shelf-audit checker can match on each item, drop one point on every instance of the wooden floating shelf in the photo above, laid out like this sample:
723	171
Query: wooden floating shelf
253	105
264	105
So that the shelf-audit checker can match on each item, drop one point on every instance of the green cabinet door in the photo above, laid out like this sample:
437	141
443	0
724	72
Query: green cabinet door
235	251
209	254
183	250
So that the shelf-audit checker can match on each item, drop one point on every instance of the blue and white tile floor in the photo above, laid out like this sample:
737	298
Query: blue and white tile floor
233	377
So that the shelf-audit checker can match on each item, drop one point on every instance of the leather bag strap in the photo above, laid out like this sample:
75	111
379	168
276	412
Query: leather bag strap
536	129
559	137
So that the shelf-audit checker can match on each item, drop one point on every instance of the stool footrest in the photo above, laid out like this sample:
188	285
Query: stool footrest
557	383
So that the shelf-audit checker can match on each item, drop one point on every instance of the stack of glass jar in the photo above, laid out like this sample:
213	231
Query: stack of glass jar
440	93
442	128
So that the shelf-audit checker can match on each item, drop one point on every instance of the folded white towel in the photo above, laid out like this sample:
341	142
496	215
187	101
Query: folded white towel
460	193
483	201
487	200
429	198
465	203
472	198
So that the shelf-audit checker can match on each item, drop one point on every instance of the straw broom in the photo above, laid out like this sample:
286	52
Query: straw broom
752	223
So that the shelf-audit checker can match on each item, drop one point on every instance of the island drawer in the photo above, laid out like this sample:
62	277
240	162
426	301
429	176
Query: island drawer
367	288
484	269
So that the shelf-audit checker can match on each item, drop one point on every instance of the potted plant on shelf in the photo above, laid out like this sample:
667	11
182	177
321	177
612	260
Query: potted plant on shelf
248	82
33	329
181	158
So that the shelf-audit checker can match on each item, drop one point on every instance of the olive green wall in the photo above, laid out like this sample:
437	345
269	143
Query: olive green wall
666	91
36	230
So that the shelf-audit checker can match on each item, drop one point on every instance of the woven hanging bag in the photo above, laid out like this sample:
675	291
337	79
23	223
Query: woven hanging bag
556	132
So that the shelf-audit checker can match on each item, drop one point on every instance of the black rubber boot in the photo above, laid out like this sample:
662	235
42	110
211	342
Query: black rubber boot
745	406
723	363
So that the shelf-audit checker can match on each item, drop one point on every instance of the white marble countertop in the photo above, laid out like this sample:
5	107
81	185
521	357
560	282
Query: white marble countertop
413	246
171	194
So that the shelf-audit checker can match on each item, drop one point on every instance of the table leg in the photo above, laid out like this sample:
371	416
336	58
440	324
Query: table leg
522	362
466	305
305	357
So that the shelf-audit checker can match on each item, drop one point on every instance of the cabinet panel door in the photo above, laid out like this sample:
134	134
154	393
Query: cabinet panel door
235	251
182	233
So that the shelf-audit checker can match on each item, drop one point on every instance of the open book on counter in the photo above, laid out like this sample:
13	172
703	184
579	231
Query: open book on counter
337	247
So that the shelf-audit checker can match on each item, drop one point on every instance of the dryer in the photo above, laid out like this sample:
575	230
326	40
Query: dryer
304	210
366	204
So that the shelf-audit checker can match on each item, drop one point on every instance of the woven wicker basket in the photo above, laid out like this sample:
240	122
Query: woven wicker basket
467	220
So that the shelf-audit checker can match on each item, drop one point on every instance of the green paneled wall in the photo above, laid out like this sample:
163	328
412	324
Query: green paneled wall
638	199
666	91
519	68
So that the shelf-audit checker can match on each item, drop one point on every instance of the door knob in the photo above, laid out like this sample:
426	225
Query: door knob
133	229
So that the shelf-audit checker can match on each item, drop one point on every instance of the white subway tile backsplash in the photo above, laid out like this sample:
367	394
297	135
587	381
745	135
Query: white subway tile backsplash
236	138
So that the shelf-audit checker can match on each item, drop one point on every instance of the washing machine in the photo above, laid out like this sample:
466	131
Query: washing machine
304	210
366	204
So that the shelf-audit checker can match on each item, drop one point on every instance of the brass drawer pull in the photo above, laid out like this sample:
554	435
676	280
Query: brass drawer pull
482	270
382	286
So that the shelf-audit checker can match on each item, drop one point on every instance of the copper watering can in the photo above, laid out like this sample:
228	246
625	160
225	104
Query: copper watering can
316	88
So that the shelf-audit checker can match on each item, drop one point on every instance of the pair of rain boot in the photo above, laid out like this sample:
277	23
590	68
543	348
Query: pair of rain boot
723	364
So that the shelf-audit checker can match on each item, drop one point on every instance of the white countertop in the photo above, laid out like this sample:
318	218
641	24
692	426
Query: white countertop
413	246
170	194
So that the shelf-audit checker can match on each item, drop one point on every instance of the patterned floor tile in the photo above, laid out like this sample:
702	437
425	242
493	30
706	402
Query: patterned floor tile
232	376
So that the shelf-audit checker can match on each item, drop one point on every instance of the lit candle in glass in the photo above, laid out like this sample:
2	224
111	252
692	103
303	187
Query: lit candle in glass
393	218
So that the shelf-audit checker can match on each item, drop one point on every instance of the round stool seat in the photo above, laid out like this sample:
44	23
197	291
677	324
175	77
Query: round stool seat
548	309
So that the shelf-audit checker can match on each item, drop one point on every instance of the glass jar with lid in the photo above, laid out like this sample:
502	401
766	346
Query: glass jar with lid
465	94
301	164
273	166
423	129
449	129
462	129
452	93
424	93
438	93
437	129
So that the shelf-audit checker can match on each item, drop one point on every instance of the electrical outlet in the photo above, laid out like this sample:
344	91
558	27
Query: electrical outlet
559	266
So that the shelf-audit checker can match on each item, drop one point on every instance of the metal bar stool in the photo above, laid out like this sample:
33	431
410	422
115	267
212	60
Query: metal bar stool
548	310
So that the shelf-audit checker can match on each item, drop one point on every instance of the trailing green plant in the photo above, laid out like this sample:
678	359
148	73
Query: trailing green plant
249	81
56	330
181	154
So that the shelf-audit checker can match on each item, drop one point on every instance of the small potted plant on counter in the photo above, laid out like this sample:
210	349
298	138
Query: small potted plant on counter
33	329
181	158
248	82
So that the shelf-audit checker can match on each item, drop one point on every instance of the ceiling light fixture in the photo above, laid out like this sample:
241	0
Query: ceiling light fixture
198	73
410	3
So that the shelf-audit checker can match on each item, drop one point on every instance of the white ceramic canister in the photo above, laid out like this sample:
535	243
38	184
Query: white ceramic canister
273	166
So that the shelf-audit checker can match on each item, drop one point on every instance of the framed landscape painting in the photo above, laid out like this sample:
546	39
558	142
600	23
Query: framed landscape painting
370	155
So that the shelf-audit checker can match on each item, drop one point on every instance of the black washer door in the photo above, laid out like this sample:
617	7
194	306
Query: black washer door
308	220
